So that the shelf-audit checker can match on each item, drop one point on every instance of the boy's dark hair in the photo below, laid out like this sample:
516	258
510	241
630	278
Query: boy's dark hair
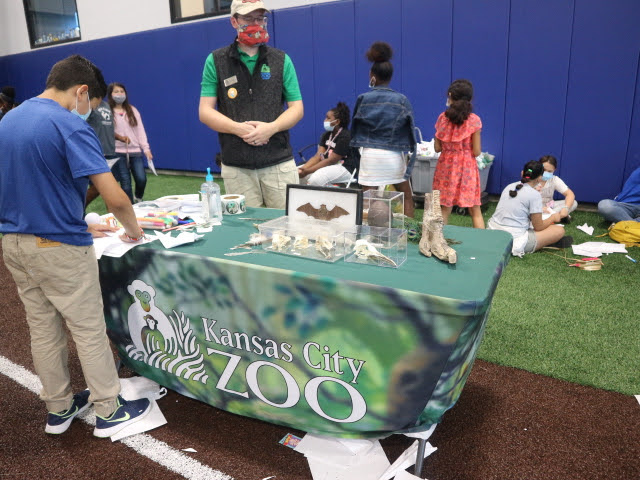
460	93
73	70
380	54
549	159
532	170
342	113
101	86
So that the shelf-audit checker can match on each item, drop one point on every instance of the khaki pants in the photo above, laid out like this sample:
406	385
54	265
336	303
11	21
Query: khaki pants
263	187
59	282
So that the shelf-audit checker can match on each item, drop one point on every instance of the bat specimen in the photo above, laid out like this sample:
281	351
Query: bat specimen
322	213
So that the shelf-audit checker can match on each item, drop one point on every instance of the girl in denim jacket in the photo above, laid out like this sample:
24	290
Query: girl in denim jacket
383	127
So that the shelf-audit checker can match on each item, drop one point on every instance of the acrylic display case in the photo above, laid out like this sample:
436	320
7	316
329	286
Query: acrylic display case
381	208
379	246
312	239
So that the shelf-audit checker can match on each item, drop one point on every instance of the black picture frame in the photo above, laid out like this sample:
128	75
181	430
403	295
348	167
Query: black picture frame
217	10
350	199
55	37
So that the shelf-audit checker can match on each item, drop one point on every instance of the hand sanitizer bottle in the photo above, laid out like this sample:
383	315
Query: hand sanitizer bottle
211	199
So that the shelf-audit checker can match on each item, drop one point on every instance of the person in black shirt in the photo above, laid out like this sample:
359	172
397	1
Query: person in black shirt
333	162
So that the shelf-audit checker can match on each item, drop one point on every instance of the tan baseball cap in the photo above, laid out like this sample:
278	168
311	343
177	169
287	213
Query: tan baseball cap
242	7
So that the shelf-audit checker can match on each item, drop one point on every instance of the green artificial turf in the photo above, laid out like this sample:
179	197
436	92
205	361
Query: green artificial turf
547	318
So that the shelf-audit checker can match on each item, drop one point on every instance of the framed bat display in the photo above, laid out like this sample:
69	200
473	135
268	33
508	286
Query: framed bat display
333	204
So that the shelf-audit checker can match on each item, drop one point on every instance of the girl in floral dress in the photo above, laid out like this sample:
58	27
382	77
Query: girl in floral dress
458	138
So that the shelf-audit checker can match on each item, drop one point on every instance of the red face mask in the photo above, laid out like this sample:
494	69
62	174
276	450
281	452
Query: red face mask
253	35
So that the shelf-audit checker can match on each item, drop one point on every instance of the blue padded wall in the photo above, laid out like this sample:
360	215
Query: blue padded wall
293	32
480	45
334	68
602	81
550	76
426	59
537	77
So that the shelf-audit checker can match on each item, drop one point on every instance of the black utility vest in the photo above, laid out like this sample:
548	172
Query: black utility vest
242	97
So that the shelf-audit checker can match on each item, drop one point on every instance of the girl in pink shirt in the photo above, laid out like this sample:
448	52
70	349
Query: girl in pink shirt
128	125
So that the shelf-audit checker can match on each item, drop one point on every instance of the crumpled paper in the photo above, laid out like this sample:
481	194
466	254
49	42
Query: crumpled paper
184	237
586	229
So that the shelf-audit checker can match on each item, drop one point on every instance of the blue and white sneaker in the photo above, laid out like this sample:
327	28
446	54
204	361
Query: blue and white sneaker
58	423
126	413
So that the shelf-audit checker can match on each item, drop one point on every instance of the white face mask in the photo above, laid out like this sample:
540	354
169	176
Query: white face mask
83	116
327	126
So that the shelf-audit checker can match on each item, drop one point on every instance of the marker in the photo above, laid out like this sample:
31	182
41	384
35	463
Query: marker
633	260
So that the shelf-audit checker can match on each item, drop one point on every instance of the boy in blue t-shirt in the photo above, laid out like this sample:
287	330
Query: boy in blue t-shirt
48	156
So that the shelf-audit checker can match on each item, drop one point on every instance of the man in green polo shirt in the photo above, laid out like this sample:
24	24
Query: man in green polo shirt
244	86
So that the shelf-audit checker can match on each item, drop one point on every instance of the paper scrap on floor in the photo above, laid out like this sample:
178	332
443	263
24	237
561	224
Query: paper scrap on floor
596	249
586	229
290	440
404	475
404	461
343	459
133	389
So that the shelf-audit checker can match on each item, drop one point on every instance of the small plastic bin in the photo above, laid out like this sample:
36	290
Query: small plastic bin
422	174
381	247
312	239
484	177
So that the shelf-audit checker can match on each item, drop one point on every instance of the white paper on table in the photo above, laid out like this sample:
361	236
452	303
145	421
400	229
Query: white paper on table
405	460
112	246
586	229
152	166
596	249
153	419
184	237
368	467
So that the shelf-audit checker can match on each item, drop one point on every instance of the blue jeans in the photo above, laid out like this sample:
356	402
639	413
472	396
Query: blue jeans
121	173
613	211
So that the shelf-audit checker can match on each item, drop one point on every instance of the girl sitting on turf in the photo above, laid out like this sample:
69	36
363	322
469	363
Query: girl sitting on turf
520	206
552	184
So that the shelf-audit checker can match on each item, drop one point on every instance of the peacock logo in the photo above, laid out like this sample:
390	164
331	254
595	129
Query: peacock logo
161	341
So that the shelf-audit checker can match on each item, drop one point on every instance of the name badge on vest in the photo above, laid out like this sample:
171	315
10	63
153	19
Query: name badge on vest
265	72
230	81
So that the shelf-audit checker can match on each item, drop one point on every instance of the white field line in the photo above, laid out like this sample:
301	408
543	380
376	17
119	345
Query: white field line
144	444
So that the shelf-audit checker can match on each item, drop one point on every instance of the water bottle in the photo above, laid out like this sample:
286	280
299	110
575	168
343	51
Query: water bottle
211	200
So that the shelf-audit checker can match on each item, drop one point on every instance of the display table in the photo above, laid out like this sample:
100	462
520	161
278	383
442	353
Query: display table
338	349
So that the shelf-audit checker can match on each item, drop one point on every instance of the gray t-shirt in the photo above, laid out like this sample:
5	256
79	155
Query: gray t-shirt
514	211
101	120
